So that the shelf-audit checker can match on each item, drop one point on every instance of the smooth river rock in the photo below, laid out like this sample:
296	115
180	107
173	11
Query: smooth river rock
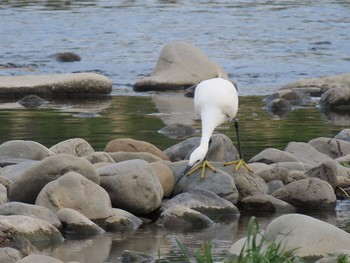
58	85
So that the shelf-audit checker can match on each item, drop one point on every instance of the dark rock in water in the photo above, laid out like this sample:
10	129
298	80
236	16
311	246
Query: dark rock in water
177	130
32	101
134	256
294	97
280	107
336	98
66	57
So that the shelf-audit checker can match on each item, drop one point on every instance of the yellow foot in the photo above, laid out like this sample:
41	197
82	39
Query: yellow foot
238	164
203	165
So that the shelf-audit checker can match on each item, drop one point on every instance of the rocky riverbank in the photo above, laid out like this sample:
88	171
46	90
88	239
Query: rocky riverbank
69	188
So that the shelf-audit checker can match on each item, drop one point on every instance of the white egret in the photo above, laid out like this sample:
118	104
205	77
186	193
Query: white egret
216	101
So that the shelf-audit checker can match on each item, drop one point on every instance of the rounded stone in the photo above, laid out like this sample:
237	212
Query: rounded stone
74	191
76	146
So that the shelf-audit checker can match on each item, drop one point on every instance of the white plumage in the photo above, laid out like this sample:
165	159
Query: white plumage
216	101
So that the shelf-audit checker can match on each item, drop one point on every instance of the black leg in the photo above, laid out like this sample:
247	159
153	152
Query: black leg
238	140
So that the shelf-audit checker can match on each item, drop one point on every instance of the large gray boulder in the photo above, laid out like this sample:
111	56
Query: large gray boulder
74	191
28	185
326	171
308	194
33	229
55	85
35	211
132	185
180	65
20	149
39	259
304	235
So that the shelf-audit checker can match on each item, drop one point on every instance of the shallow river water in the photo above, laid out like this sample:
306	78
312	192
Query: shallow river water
261	44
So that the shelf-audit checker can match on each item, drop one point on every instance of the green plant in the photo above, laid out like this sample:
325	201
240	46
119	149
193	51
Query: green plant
256	250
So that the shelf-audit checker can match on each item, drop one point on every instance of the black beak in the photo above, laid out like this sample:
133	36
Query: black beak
185	171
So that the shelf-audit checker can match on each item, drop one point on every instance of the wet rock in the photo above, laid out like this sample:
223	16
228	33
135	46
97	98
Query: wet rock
76	223
292	96
305	153
182	217
32	101
327	171
76	146
132	185
308	194
17	242
323	84
131	145
165	177
58	85
31	181
9	255
99	157
274	185
121	220
343	135
35	230
272	155
220	183
73	190
3	194
263	203
336	98
332	147
205	202
249	184
177	131
134	256
23	150
39	259
279	106
35	211
221	149
125	156
180	65
273	173
307	235
66	57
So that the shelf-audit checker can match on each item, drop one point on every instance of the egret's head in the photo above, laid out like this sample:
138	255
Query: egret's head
196	158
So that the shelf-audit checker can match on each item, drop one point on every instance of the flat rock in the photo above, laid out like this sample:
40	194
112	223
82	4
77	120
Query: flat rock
76	223
39	259
263	203
58	85
323	83
180	65
121	220
205	202
73	190
272	155
33	229
35	211
131	145
182	217
332	147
